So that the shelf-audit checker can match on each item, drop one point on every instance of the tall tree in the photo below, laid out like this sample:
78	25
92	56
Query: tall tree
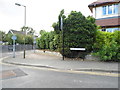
2	36
28	30
79	32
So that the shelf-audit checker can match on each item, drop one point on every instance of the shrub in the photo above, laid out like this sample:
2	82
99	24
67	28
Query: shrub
79	32
107	46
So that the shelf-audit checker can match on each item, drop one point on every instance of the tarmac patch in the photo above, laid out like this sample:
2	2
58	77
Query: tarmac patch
9	74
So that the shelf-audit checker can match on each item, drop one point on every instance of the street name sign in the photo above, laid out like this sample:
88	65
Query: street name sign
81	49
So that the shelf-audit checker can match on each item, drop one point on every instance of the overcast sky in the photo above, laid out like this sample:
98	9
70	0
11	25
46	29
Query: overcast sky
41	14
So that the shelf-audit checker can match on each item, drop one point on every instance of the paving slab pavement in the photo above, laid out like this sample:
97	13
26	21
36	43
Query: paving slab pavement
56	62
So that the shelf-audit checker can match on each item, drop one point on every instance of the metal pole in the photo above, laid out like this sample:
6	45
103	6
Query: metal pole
24	31
34	44
13	48
34	47
63	43
62	36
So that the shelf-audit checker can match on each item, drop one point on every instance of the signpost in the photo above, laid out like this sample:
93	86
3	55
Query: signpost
34	43
13	38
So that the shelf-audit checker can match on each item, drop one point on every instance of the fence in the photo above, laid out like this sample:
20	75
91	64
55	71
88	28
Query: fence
9	48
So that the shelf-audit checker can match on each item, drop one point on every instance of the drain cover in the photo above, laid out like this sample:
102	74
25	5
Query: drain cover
7	74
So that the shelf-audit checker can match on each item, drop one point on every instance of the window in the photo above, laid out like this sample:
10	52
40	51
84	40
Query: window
104	29
112	29
104	10
110	9
109	29
115	9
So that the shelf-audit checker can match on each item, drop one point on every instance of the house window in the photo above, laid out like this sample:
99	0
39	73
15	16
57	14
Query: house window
112	29
104	30
110	9
115	9
109	30
104	10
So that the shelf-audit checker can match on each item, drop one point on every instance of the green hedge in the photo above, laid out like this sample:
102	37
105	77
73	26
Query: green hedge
107	46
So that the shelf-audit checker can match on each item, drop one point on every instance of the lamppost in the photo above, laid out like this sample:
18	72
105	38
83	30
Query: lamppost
24	24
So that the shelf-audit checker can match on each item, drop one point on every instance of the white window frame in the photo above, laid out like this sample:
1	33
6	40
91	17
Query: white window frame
115	8
103	10
111	9
107	9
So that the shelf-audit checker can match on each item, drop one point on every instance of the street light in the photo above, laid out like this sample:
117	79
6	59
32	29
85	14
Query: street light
24	24
17	4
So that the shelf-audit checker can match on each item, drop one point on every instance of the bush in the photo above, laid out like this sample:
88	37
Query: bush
20	39
79	32
107	46
29	39
8	39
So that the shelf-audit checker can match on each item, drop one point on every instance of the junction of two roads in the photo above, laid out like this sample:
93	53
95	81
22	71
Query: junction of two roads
39	70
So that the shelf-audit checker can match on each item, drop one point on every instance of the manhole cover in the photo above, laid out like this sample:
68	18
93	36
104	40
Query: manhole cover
7	74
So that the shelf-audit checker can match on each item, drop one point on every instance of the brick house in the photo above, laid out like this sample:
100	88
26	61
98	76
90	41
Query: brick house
107	14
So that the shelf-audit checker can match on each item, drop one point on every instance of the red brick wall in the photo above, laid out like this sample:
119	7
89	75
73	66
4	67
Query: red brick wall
108	22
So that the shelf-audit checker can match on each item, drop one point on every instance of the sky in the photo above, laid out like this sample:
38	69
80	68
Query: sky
40	14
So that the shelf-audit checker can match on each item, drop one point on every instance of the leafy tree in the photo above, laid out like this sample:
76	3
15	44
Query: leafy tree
8	39
29	39
28	30
42	40
79	32
56	27
20	38
2	36
42	32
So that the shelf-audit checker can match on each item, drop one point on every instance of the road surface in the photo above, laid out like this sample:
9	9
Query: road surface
30	77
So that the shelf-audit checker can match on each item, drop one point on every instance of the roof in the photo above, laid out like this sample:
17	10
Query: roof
108	22
101	3
16	32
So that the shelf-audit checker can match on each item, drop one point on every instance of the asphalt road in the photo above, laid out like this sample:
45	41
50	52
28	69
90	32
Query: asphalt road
30	77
